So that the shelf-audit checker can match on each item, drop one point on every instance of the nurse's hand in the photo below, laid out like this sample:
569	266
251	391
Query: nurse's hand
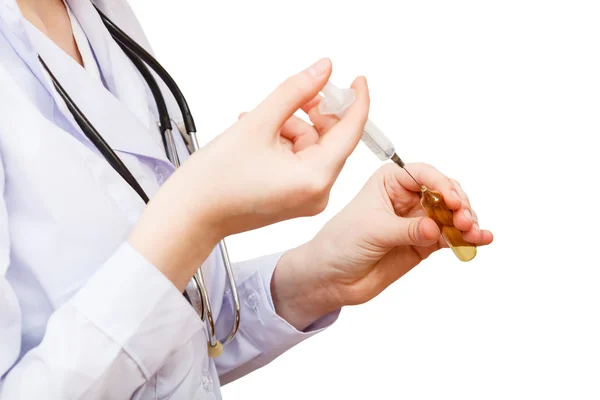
375	240
268	167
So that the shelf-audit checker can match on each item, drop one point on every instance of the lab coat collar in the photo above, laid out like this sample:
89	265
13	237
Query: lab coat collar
117	125
122	15
12	21
128	129
121	77
9	10
12	27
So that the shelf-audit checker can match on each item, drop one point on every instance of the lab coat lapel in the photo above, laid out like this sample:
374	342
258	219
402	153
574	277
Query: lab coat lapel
120	75
129	129
122	15
117	125
14	32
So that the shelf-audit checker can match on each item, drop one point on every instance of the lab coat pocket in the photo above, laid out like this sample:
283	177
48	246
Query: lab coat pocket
182	374
174	372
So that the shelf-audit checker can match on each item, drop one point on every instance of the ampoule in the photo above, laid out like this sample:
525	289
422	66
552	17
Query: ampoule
336	102
436	209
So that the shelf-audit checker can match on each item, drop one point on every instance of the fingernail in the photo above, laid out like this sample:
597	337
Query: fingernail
319	68
468	214
475	227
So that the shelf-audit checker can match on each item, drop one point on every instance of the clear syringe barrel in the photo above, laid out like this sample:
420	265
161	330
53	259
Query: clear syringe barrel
336	101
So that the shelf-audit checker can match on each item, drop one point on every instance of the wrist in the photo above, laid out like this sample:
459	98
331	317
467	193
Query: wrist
176	242
301	294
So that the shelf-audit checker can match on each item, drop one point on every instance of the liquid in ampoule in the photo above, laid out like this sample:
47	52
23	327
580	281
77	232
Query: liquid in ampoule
436	209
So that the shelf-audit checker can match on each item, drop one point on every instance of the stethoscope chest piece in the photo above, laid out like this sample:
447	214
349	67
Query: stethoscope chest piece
216	350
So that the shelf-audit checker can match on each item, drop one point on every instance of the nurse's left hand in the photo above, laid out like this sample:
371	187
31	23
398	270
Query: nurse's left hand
380	236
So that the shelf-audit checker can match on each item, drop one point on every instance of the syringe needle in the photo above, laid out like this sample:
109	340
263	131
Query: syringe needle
413	178
336	102
401	164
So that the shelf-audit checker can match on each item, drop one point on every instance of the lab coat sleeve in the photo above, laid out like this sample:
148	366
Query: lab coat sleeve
263	335
104	343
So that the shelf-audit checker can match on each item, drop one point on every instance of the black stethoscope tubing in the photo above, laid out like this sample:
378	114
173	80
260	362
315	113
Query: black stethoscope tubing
142	60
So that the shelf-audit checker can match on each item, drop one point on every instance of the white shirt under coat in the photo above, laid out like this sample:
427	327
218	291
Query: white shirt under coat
82	314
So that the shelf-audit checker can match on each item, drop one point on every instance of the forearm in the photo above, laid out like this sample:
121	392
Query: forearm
300	294
175	234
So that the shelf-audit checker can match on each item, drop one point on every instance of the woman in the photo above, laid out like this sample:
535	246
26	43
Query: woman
91	278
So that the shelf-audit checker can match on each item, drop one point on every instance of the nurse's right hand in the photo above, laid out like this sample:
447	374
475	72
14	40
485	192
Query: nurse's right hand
268	167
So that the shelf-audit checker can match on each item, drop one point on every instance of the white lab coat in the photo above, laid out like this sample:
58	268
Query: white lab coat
82	314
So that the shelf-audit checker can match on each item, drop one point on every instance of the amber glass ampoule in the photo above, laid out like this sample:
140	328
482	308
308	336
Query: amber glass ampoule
436	209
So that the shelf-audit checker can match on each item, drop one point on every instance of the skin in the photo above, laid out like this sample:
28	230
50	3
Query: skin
52	18
284	168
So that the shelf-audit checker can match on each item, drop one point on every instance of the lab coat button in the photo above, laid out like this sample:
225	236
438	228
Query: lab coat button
252	300
206	382
160	173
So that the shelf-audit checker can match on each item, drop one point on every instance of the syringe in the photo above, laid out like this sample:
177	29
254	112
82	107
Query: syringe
335	102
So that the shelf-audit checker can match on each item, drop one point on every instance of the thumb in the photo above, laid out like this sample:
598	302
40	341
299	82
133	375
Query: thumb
292	94
341	140
420	231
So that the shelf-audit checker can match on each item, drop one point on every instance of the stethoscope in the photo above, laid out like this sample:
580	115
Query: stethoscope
195	291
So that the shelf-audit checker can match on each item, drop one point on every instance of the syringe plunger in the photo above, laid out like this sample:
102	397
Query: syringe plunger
337	101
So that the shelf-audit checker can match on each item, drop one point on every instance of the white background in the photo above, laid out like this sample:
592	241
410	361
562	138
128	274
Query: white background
504	96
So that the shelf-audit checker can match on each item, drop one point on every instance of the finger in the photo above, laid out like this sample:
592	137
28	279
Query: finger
322	123
487	237
296	91
473	234
299	132
463	219
342	139
420	231
466	219
286	143
478	236
465	216
460	190
433	179
337	144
